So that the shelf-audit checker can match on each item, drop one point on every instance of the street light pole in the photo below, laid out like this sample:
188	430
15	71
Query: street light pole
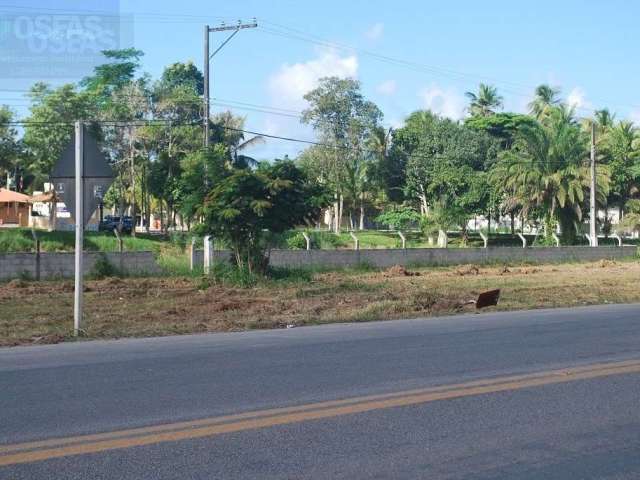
207	57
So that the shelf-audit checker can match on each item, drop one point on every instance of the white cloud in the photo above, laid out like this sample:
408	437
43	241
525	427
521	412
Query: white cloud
388	87
292	81
375	31
577	99
443	101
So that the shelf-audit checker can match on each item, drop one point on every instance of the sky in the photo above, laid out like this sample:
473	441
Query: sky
407	54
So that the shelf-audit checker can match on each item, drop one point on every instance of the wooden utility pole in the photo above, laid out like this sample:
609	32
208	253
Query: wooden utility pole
235	29
593	234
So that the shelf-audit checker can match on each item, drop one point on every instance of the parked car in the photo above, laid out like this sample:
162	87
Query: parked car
111	222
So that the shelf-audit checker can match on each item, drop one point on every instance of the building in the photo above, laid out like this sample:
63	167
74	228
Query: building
15	208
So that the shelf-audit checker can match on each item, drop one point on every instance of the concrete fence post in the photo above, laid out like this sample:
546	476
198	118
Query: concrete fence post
485	239
523	239
403	239
120	249
192	254
556	238
356	242
37	254
443	239
208	253
307	239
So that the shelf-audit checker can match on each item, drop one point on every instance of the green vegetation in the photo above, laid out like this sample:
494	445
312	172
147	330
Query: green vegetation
429	174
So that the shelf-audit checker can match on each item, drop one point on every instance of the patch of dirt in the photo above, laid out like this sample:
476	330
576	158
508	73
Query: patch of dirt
464	270
399	271
17	283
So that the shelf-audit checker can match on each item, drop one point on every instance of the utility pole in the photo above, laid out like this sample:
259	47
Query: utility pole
79	218
593	234
222	28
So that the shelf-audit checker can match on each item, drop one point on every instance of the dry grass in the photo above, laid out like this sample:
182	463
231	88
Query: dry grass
33	312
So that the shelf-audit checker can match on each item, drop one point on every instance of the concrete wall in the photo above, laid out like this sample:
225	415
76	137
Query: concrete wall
444	256
57	265
61	265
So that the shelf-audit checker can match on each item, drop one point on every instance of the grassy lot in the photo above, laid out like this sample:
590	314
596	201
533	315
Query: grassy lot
20	240
42	312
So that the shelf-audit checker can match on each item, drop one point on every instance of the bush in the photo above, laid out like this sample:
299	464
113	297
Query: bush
103	268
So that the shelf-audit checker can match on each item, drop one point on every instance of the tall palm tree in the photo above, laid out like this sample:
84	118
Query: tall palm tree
546	173
545	98
485	101
622	145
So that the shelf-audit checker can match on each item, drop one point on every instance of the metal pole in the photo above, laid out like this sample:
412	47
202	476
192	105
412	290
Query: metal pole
206	85
79	220
592	200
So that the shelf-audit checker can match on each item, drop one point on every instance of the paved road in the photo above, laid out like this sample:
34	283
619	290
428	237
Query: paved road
543	394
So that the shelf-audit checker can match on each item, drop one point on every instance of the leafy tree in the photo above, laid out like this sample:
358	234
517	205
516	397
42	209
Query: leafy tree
399	217
246	207
50	124
112	76
182	75
485	101
546	172
346	120
546	97
200	170
442	161
10	145
503	126
623	159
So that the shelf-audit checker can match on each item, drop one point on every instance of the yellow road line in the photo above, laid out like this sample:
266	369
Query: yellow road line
77	445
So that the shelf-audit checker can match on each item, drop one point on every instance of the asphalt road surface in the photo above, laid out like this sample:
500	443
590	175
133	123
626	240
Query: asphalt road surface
548	394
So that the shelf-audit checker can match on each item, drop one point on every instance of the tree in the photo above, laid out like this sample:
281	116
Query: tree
442	160
227	128
247	206
545	172
50	124
345	120
546	97
10	145
503	126
623	159
485	101
182	75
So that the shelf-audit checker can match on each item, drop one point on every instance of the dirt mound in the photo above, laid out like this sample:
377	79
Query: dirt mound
399	271
463	270
17	283
606	263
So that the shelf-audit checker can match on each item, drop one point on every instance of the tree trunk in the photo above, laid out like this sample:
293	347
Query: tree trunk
340	212
336	214
361	224
489	222
513	223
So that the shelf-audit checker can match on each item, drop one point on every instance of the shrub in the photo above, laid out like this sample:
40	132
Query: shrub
103	268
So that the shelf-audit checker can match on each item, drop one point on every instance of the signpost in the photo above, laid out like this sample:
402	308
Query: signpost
81	178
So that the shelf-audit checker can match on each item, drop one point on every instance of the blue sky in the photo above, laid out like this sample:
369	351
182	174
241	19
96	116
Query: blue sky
434	52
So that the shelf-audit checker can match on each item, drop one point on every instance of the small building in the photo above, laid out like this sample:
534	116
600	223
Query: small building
15	208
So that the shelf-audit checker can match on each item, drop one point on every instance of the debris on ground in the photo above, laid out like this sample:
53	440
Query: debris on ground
607	263
399	271
467	270
17	283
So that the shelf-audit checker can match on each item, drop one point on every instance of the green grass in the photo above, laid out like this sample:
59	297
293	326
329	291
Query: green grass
21	240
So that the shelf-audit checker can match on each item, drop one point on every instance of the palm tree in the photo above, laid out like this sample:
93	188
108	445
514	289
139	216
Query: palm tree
545	173
485	101
622	145
545	98
228	129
